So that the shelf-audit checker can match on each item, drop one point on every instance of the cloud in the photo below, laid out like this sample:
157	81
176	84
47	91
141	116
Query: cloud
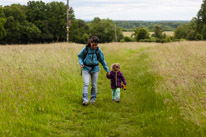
129	9
141	10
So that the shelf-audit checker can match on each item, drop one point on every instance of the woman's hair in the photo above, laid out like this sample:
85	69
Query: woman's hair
92	39
115	65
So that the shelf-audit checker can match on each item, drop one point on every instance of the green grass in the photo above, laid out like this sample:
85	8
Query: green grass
44	99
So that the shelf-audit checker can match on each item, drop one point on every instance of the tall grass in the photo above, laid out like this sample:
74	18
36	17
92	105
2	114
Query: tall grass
41	92
183	67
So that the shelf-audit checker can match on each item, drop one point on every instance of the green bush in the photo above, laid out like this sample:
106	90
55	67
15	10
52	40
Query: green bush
191	35
145	40
127	39
122	40
198	37
168	39
140	33
153	39
181	32
161	40
204	32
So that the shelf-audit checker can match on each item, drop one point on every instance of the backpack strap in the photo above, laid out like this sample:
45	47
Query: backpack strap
97	53
86	51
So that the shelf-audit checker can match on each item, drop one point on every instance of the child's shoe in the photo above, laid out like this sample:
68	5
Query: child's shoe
118	100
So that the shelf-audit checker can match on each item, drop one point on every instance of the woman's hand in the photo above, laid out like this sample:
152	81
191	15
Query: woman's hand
108	73
82	66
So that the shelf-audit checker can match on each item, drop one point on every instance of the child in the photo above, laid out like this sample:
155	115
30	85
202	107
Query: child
116	77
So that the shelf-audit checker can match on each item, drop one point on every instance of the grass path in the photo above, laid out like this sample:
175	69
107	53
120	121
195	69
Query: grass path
56	110
142	112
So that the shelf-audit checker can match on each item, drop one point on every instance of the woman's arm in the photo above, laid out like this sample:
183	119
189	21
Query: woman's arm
81	57
102	61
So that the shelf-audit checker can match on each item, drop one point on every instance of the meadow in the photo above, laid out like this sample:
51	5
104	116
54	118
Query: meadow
41	91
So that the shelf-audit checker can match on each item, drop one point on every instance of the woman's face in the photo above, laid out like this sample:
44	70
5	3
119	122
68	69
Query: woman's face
93	45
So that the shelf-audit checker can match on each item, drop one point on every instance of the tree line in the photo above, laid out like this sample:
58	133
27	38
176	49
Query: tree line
39	22
193	30
196	28
165	25
143	35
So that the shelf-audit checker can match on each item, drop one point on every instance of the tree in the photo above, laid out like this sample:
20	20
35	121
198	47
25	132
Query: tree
37	14
16	17
181	32
13	29
105	30
143	34
50	18
56	16
201	17
30	33
157	32
3	32
2	15
3	20
127	39
188	31
17	11
79	31
140	34
191	35
19	30
204	32
119	34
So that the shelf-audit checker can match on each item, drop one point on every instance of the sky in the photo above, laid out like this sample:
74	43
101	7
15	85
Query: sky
128	9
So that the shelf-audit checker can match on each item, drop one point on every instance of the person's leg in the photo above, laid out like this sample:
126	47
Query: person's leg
113	94
117	94
86	77
94	77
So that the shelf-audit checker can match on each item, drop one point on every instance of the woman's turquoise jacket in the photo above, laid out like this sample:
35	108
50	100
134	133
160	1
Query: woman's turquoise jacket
90	61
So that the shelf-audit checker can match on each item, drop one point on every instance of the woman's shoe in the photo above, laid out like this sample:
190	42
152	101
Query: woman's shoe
92	101
84	103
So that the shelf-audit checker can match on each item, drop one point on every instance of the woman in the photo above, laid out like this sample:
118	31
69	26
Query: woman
89	59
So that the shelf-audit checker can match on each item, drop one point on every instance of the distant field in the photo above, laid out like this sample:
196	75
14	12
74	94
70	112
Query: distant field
41	91
127	34
168	33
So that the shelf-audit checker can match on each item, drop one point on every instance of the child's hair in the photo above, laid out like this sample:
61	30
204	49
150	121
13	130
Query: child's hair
115	65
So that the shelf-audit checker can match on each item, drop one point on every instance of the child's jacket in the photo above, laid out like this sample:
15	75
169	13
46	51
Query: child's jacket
116	79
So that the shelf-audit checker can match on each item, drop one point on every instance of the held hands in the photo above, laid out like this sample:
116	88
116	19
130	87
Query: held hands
108	75
82	66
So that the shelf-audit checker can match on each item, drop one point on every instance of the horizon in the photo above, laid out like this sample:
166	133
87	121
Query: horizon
143	20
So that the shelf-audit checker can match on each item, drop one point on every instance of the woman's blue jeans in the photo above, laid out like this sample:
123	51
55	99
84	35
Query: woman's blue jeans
86	78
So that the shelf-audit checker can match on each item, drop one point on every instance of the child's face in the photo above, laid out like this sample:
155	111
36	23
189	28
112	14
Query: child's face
116	69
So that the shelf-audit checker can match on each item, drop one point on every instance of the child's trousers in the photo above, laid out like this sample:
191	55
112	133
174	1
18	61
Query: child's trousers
116	93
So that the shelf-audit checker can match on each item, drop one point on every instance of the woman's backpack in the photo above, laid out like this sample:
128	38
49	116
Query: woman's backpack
86	51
